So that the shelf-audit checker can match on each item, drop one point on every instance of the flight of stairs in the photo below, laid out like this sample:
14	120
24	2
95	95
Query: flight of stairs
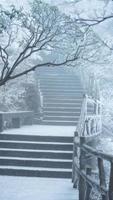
62	95
36	156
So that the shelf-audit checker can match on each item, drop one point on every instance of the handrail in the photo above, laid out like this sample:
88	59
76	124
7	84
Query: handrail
87	159
91	182
40	99
89	82
89	124
97	153
80	125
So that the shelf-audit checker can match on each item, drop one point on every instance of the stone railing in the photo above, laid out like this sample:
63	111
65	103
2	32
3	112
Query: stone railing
15	119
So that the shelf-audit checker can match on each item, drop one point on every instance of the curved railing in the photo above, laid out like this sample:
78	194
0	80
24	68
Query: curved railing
86	159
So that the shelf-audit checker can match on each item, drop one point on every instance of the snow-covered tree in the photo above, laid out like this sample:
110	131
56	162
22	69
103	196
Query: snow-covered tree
27	37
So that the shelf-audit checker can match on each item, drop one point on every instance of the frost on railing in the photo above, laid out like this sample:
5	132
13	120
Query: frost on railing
40	99
89	173
89	82
90	118
88	169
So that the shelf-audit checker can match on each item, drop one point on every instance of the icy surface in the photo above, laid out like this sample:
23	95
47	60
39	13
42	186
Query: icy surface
20	188
43	130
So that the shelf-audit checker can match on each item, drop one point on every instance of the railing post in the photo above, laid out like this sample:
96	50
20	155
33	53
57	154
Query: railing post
74	174
87	127
102	177
111	183
40	99
82	167
91	85
95	107
88	187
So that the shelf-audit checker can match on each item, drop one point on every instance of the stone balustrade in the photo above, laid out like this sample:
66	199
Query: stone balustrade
15	119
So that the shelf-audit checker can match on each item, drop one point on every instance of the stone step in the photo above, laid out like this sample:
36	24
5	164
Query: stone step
59	123
35	172
60	87
53	100
59	82
63	97
54	91
67	105
29	153
27	162
35	145
56	79
61	118
61	109
65	108
36	138
59	113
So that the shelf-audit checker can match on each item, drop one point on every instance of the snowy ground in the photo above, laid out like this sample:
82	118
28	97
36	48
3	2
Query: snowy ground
19	188
23	188
43	130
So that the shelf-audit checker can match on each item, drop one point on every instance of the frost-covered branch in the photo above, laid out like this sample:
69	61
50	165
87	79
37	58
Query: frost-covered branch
42	37
28	36
94	21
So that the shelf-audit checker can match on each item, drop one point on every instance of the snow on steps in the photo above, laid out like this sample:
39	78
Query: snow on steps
59	113
35	172
42	156
62	93
58	122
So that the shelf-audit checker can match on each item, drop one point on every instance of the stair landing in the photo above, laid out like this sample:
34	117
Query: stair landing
21	188
43	130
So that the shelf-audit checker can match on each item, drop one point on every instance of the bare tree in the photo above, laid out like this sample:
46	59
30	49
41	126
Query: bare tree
25	37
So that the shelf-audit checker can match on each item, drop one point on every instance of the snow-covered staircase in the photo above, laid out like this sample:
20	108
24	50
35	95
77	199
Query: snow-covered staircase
61	96
36	155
